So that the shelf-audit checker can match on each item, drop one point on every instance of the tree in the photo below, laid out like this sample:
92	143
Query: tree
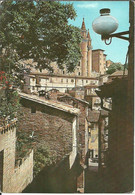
9	99
115	67
38	30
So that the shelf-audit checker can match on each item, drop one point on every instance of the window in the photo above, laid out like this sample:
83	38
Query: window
33	88
79	64
79	73
33	79
63	72
67	80
61	80
37	80
86	81
72	80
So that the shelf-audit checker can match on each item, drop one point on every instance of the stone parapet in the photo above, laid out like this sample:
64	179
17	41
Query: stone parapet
8	127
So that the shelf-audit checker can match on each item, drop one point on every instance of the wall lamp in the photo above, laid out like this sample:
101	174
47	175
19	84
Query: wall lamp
106	24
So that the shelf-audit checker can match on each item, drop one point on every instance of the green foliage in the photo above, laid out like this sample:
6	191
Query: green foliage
9	98
23	143
114	67
42	158
39	31
42	155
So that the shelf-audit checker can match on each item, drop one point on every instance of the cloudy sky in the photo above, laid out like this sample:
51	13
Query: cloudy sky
117	50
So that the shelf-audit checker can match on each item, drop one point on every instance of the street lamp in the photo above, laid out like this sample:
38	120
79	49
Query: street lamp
106	24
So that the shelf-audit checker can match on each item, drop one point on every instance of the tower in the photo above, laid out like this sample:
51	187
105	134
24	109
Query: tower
84	50
89	55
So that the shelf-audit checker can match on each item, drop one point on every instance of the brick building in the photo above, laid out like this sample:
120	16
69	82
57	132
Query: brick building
54	127
99	61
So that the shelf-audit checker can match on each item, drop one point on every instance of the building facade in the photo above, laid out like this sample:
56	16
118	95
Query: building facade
99	61
40	81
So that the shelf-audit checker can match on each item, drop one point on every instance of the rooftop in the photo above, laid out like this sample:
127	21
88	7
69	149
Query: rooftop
51	103
44	75
73	98
116	87
119	73
83	25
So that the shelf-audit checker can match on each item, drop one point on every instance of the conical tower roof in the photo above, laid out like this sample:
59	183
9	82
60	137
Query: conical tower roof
88	35
83	25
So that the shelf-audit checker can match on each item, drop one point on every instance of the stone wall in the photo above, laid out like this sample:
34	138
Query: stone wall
13	179
23	175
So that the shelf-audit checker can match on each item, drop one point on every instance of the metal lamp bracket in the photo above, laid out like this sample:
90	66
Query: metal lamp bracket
117	35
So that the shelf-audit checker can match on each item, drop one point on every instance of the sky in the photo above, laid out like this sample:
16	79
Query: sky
89	10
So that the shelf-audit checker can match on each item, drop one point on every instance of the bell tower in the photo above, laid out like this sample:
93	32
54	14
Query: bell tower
89	65
84	50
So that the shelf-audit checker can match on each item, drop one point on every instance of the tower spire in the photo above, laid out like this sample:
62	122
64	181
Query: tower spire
83	25
88	35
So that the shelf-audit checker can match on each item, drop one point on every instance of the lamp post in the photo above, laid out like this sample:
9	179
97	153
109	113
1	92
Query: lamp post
105	25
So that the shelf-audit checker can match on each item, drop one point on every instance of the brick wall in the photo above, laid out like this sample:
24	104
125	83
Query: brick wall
98	61
51	131
95	61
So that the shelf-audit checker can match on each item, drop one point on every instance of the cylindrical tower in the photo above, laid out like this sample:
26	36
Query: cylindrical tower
89	65
84	50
